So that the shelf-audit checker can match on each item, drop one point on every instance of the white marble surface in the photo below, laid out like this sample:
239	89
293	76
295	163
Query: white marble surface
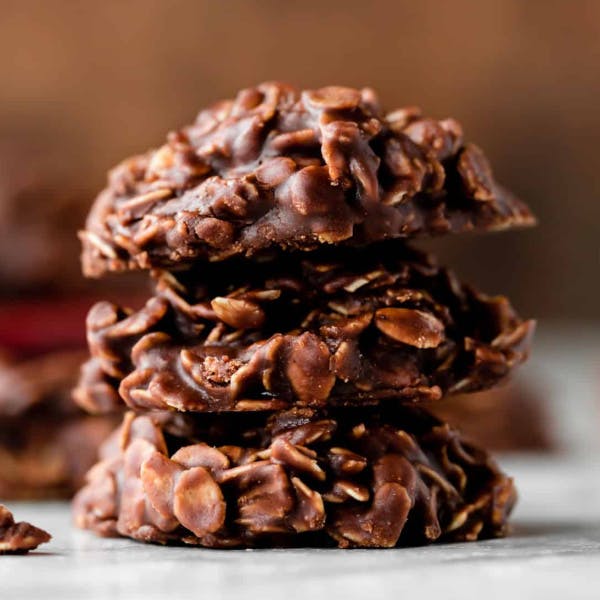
554	553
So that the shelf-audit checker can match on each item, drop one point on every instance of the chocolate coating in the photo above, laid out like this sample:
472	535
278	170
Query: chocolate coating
289	169
351	478
339	327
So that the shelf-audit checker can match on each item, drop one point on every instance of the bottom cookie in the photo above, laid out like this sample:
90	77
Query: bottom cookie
353	478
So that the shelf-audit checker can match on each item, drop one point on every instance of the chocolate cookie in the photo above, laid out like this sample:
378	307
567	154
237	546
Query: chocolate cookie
46	442
352	478
282	168
341	327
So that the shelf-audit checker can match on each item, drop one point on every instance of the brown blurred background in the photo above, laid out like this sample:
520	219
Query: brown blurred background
86	83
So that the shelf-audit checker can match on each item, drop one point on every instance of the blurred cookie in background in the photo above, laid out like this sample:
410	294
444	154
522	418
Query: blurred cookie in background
511	418
46	442
44	198
43	202
41	208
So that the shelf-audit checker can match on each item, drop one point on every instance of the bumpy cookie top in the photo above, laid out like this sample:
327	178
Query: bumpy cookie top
282	168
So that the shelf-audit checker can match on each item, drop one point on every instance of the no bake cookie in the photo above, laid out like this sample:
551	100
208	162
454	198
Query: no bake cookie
352	478
344	327
289	169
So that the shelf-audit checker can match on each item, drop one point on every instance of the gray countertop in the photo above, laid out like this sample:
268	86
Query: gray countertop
554	552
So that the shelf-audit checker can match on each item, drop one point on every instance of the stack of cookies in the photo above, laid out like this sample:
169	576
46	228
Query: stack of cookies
274	379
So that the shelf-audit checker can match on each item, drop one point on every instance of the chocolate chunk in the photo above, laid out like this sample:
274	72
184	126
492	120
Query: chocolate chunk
19	538
46	442
378	477
338	327
281	168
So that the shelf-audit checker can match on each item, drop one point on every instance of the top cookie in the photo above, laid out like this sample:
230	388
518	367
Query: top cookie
283	168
